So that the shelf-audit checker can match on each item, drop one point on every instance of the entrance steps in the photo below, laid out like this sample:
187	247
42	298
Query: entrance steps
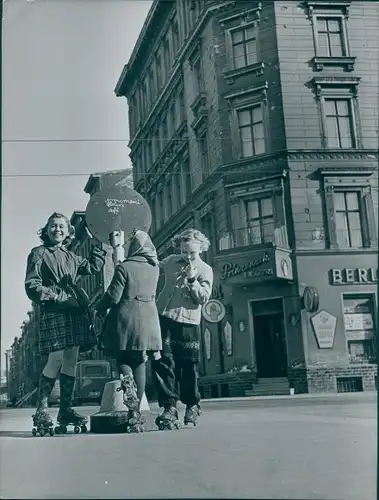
275	386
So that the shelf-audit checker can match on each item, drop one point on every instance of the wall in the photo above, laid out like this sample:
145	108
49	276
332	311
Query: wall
300	107
313	270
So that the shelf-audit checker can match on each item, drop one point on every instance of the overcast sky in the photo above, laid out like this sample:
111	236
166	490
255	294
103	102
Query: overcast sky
61	61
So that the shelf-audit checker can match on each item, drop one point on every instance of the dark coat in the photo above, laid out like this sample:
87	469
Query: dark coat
132	322
53	271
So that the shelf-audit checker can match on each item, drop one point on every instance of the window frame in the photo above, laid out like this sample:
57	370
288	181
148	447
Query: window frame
243	100
339	89
243	28
235	22
274	190
338	9
251	127
346	212
348	180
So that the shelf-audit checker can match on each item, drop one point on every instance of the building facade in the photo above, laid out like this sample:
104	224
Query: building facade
257	122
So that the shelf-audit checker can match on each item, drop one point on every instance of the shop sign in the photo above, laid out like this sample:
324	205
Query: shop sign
229	270
358	276
324	325
214	311
275	263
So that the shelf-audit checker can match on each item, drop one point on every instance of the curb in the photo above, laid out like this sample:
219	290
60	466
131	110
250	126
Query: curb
334	395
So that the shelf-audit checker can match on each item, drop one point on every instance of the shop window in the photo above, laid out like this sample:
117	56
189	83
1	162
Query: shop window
358	313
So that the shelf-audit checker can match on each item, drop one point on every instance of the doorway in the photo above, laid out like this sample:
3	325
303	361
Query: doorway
270	339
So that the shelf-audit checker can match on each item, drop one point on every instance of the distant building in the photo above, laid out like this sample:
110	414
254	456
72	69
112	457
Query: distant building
257	122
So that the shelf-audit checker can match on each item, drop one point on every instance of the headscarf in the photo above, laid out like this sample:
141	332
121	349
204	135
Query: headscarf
142	246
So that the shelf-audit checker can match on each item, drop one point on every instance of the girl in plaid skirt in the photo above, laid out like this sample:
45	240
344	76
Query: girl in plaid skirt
64	320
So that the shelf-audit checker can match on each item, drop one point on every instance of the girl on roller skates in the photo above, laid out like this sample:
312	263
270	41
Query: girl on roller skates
131	331
188	286
65	324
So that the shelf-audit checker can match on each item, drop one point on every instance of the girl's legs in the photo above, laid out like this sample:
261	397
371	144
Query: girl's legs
133	365
47	379
67	383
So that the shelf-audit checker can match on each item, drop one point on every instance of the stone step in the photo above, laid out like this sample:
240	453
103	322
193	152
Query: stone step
267	392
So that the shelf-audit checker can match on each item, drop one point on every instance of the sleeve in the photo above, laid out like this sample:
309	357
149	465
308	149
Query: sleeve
93	264
115	290
34	289
201	288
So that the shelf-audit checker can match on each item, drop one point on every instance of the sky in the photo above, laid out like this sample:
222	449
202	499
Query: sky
61	62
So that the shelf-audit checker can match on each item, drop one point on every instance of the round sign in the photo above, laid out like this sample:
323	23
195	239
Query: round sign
117	208
311	299
214	311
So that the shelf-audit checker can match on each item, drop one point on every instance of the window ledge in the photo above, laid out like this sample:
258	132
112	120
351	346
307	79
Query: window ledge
345	170
231	74
346	62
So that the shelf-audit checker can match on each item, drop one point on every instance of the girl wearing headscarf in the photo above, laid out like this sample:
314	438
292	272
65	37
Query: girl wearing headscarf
131	331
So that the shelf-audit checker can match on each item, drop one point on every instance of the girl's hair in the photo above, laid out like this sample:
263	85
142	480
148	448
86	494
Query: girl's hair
42	233
192	235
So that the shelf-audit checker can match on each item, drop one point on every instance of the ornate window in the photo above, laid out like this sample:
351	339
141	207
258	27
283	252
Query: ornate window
329	22
339	112
249	121
349	207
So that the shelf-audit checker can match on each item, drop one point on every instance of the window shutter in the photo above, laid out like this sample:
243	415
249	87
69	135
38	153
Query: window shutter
370	235
239	223
331	218
229	51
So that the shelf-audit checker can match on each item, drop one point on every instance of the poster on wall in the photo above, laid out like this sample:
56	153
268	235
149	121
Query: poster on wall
207	343
324	326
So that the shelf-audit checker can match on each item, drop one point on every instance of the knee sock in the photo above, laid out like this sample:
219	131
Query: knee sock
45	386
140	378
67	384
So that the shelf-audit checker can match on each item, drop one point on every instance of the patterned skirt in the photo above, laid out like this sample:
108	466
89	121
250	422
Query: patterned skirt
61	329
180	340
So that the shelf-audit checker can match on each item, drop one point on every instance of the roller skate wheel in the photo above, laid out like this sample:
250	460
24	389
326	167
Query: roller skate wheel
128	430
161	427
42	432
84	428
57	430
51	431
76	429
34	432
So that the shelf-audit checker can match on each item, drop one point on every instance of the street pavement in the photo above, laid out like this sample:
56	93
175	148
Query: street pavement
289	447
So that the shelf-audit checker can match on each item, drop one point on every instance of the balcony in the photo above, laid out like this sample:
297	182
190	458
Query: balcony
251	236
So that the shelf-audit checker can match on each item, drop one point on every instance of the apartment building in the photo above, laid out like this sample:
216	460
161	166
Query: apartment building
257	122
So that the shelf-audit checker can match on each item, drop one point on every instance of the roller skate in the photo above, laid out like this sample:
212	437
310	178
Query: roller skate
168	420
42	423
70	417
135	422
191	415
128	386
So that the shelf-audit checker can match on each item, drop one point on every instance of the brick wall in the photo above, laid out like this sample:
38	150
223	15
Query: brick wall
324	380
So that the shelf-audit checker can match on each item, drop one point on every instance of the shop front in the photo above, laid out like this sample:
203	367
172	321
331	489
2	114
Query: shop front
338	322
258	337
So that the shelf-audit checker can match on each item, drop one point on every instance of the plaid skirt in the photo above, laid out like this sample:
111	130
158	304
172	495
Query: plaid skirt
67	328
180	340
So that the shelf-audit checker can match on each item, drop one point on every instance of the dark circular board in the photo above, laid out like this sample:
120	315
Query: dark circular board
117	208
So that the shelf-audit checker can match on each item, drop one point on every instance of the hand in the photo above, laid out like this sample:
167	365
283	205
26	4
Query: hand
191	271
